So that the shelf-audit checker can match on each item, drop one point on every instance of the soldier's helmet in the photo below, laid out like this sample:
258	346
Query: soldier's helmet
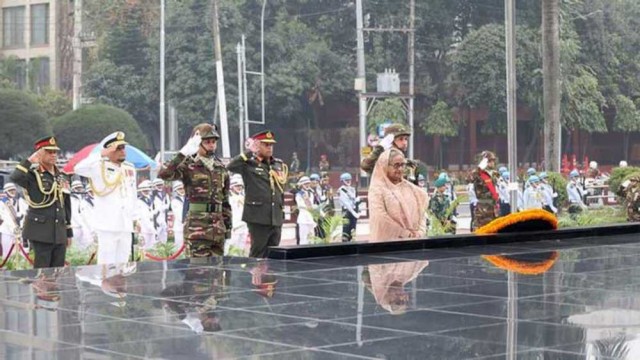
502	169
506	175
207	131
531	171
543	175
345	177
574	173
397	130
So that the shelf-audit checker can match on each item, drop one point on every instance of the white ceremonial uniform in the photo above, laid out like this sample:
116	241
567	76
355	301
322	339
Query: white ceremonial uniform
239	231
82	233
305	220
348	200
114	188
161	204
575	193
533	198
12	213
547	191
177	208
145	214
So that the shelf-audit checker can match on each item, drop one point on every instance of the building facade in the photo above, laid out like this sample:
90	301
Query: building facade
33	42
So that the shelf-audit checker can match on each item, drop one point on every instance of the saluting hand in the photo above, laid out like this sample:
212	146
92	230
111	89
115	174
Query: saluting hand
192	146
251	145
35	157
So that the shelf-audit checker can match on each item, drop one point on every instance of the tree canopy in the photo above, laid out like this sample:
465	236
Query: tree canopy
22	122
90	124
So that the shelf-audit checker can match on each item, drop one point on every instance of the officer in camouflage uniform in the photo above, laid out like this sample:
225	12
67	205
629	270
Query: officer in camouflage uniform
206	183
630	191
395	135
264	179
484	185
439	205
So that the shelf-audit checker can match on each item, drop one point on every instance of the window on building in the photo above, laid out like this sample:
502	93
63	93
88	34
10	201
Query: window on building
20	74
13	26
40	24
43	74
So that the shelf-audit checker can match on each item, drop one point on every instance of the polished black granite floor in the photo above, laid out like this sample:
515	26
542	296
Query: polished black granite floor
539	300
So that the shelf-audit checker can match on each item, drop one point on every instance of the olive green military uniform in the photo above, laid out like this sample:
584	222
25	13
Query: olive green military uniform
411	171
439	205
47	224
484	185
264	182
631	195
206	185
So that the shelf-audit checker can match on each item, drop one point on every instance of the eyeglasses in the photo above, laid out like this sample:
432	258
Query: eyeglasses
398	166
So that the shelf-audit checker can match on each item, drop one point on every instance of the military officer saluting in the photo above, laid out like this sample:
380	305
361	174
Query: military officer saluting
48	221
264	179
397	136
206	184
113	182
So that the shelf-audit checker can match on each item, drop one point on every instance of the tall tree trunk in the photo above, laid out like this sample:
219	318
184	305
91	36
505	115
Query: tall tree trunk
551	79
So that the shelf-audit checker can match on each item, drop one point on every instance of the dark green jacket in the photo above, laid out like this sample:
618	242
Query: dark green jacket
51	224
264	199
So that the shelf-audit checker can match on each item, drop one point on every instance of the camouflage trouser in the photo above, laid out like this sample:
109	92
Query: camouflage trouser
205	234
574	210
484	213
633	215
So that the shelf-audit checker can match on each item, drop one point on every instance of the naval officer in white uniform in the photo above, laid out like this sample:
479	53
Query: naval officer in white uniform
113	182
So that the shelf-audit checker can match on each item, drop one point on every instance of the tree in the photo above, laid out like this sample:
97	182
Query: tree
440	122
54	103
389	110
551	83
90	124
22	122
627	120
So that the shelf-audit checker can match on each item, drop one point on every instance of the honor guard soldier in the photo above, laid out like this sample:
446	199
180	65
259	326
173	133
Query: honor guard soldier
113	183
484	186
47	225
575	193
13	210
350	202
397	136
206	184
629	190
264	179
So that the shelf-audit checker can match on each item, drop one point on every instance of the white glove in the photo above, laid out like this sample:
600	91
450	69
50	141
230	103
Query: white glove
387	141
192	146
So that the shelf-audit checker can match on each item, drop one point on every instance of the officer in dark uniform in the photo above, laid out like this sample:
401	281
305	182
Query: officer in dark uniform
47	225
264	179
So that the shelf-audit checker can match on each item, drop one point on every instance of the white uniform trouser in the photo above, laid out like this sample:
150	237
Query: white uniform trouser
113	247
150	240
305	231
82	238
178	238
7	240
238	239
162	233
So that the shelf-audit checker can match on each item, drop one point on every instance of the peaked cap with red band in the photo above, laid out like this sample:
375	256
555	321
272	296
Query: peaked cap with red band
266	136
47	143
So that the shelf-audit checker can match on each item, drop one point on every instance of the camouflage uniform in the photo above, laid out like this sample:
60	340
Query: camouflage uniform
631	195
483	181
206	184
439	205
410	171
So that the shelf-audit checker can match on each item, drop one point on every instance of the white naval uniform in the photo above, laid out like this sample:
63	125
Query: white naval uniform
533	198
305	219
177	207
161	206
144	215
239	229
82	233
9	225
114	206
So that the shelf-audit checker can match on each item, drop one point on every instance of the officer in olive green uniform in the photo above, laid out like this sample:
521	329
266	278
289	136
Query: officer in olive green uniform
439	205
206	184
47	225
630	191
397	136
264	179
484	182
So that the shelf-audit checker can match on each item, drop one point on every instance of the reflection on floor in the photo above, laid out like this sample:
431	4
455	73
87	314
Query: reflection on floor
543	300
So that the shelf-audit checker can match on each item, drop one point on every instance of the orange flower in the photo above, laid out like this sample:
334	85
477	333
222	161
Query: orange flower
528	220
522	267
